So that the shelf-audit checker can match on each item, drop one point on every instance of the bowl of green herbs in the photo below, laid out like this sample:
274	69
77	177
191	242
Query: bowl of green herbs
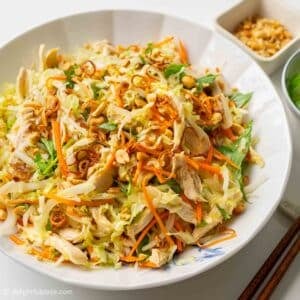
291	82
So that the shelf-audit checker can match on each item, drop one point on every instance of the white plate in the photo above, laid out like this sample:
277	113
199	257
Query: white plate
206	49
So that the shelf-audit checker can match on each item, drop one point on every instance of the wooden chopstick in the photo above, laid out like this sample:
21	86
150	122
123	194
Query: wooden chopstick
259	277
280	271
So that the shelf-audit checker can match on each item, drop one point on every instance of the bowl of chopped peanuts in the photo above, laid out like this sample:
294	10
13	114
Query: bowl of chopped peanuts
266	30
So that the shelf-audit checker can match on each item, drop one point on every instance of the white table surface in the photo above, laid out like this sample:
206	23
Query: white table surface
223	282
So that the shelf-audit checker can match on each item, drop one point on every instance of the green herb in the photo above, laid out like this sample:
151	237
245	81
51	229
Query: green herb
46	167
172	183
86	114
240	99
149	49
293	86
69	74
237	152
143	59
96	90
48	225
143	243
202	223
205	80
173	69
224	213
108	126
126	189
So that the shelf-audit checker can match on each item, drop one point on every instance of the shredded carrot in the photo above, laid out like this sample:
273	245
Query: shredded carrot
231	234
142	148
137	171
110	160
200	165
16	239
148	264
156	215
228	133
198	211
57	140
210	154
187	200
145	232
69	202
217	154
164	41
131	259
183	52
118	96
159	173
179	245
50	79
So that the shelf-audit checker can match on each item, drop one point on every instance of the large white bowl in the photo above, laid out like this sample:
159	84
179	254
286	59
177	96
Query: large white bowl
206	49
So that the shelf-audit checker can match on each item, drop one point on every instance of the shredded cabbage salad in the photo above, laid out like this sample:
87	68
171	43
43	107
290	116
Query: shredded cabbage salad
121	155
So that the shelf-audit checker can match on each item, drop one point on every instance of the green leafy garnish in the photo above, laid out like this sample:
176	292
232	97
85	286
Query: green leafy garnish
143	60
241	99
126	189
69	74
48	225
108	126
149	49
96	90
293	86
86	114
202	223
205	80
46	167
224	213
143	243
172	183
173	69
237	152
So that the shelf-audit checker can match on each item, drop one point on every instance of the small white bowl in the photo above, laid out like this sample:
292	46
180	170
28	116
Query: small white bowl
275	9
291	67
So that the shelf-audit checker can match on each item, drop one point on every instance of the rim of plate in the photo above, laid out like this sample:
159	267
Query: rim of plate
195	271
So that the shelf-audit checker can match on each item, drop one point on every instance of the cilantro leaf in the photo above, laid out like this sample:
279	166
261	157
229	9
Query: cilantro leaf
126	189
48	225
173	69
143	243
172	183
226	216
70	73
108	126
149	48
241	99
205	80
96	89
46	167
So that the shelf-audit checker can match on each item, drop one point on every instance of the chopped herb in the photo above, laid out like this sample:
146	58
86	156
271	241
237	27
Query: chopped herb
96	89
108	126
126	189
202	223
48	225
293	86
86	114
143	243
174	69
205	80
241	99
172	183
143	60
70	73
46	167
224	213
149	49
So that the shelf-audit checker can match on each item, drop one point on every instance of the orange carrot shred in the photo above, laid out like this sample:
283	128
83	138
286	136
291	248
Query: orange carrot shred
57	140
210	154
228	133
183	53
164	41
145	231
231	234
217	154
148	264
16	239
198	211
69	202
156	215
131	259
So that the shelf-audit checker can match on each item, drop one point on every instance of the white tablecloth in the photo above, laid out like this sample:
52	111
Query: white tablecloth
223	282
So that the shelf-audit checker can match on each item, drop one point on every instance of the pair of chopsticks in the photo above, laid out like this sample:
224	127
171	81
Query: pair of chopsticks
291	235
